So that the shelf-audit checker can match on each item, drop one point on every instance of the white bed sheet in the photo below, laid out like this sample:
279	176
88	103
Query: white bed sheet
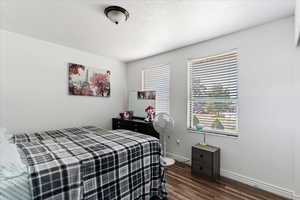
17	188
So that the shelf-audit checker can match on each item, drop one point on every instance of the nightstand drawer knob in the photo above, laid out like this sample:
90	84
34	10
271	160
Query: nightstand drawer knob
201	155
201	168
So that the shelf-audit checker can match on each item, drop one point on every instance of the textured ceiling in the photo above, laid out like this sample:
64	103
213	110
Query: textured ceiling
154	26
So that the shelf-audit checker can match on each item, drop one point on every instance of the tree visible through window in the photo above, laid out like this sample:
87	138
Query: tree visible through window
213	94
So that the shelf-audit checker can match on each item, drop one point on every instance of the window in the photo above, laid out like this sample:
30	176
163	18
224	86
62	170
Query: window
213	94
158	79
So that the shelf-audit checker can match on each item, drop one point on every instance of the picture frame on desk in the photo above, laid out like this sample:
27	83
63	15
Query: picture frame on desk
128	115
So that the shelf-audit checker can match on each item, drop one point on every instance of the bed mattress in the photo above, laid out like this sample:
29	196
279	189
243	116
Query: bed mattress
88	163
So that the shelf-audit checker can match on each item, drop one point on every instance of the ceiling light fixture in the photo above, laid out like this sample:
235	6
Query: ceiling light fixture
116	14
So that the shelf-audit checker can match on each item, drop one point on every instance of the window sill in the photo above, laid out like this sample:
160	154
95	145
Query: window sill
214	133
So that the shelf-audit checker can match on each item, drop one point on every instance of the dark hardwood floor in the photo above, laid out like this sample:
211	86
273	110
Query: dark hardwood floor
181	185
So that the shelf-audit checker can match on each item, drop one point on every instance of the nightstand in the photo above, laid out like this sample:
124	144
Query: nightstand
206	161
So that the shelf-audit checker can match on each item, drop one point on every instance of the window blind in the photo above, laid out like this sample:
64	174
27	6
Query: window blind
158	79
213	94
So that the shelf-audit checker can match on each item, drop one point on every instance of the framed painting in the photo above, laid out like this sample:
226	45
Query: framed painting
88	81
149	95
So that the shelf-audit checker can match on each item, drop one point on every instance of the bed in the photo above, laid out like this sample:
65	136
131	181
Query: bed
87	163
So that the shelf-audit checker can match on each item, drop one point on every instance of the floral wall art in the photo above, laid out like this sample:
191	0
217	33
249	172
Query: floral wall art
87	81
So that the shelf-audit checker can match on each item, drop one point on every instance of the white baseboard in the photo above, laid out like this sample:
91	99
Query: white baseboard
179	158
246	180
258	184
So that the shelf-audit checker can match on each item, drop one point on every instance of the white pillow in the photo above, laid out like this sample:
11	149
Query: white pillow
11	165
5	136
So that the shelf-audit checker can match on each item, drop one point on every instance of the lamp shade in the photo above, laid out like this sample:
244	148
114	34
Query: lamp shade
116	14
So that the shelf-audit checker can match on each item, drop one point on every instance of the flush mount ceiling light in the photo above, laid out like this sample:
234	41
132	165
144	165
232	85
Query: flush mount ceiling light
116	14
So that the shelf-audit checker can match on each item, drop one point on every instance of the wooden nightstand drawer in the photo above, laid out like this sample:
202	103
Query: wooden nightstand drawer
201	170
204	157
206	161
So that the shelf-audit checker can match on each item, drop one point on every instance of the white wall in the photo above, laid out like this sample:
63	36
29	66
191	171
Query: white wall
297	22
264	152
36	87
296	100
1	73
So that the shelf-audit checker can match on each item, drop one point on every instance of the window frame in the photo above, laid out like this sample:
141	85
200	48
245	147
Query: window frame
217	132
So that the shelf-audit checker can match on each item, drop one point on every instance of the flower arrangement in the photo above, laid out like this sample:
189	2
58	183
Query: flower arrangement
150	113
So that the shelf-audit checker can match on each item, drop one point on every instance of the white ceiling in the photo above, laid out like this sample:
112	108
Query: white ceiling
154	26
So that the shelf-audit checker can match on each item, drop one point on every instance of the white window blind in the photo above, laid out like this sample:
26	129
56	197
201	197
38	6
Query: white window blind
213	94
158	79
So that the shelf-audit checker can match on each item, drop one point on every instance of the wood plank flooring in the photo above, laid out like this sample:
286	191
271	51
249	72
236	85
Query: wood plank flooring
181	185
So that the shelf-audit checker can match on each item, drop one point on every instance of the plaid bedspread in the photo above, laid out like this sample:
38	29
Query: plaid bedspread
93	164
